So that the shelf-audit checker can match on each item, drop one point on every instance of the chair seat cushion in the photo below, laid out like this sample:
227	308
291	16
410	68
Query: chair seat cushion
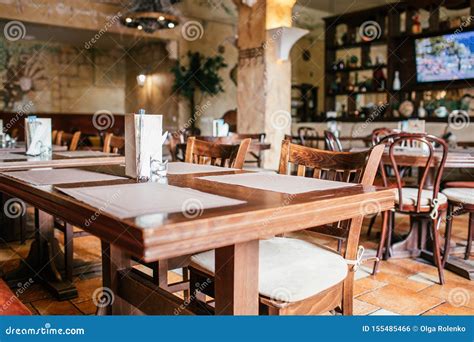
410	197
290	270
462	195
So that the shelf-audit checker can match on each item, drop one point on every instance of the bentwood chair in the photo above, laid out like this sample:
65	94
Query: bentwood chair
217	154
460	201
306	279
68	139
200	152
175	140
114	144
377	136
420	203
332	142
308	136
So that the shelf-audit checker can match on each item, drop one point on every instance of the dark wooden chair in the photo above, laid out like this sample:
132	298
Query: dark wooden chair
357	167
332	142
460	201
71	140
419	203
215	153
377	136
114	144
308	136
54	134
176	140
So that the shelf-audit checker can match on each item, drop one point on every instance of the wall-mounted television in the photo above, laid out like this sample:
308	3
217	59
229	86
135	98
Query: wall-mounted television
445	58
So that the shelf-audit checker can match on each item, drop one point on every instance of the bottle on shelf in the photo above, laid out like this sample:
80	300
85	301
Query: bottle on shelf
421	110
397	85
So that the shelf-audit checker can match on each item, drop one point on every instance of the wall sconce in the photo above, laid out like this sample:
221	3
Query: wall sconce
141	79
284	38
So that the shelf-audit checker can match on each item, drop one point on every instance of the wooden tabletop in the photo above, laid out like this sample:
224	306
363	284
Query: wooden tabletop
457	158
264	214
29	162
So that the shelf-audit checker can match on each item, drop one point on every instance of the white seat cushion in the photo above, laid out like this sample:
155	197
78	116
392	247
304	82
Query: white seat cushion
463	195
290	270
410	197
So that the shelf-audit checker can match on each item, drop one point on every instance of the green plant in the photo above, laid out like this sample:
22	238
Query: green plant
200	75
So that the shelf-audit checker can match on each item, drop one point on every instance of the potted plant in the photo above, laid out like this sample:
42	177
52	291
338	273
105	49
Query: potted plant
200	75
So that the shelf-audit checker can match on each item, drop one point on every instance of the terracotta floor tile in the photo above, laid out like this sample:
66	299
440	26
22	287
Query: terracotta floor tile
362	308
394	279
458	294
448	309
365	285
86	288
53	307
401	300
87	308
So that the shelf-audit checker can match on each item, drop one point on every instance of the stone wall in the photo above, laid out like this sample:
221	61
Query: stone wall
58	78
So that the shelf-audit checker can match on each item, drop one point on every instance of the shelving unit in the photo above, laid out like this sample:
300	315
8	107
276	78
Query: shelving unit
400	53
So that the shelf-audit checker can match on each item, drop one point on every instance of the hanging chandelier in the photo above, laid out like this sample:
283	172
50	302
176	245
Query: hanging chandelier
151	15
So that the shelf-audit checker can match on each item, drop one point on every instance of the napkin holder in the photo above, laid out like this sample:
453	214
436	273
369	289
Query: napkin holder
143	143
38	136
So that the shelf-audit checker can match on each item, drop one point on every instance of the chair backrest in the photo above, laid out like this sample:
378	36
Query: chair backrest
379	133
434	162
309	136
69	139
174	140
54	134
332	142
355	167
218	154
114	144
352	167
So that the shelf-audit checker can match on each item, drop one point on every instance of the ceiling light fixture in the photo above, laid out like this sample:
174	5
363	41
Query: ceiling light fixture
151	15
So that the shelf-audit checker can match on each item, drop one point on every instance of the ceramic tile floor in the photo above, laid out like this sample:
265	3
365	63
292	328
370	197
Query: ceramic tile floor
402	287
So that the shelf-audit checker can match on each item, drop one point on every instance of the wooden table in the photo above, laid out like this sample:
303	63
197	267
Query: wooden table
20	147
418	241
233	231
45	254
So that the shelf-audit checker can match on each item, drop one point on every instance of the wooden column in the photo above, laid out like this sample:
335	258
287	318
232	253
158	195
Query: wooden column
264	83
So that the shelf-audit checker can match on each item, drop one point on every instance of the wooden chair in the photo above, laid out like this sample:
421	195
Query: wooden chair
460	201
377	136
332	142
206	152
199	152
54	134
419	203
176	140
114	144
255	138
309	136
317	266
68	139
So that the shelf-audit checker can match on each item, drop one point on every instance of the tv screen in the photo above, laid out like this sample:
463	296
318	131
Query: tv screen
445	58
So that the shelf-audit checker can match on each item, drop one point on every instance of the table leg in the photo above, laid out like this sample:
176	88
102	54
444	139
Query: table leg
236	279
113	260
